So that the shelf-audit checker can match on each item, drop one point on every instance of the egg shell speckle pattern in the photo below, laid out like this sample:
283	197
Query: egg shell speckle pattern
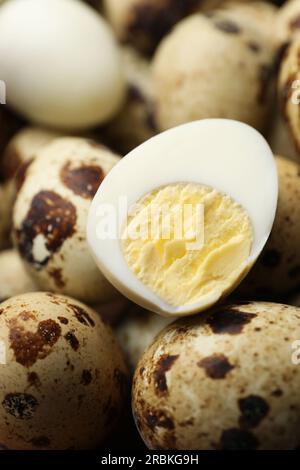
50	218
224	380
64	381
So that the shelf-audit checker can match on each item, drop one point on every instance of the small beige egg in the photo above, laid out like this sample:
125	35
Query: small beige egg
135	122
213	66
288	88
64	381
50	214
14	280
17	156
137	331
225	380
277	271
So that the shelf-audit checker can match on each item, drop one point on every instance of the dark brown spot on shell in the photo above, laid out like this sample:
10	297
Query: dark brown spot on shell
253	410
238	439
277	393
20	405
57	276
72	340
86	377
41	441
51	217
216	366
33	379
135	94
163	365
253	46
159	419
83	181
63	320
30	346
82	316
270	258
227	26
229	321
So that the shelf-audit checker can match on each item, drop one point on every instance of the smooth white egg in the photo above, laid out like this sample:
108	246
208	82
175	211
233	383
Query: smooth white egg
229	157
60	63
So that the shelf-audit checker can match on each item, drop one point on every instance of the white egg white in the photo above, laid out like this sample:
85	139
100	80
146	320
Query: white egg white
227	155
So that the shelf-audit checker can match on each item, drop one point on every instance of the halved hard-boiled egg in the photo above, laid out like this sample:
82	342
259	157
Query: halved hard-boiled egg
179	221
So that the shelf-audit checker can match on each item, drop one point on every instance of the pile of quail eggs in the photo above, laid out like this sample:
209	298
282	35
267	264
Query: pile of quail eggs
86	83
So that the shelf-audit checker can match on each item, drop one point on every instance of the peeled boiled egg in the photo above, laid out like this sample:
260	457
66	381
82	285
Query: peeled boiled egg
179	221
60	63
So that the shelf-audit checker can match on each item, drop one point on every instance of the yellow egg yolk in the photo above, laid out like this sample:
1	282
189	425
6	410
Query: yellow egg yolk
186	241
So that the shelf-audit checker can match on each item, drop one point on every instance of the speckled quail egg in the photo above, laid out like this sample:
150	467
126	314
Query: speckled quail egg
134	124
227	380
64	378
137	331
185	232
277	271
72	82
213	67
14	279
15	160
288	86
50	214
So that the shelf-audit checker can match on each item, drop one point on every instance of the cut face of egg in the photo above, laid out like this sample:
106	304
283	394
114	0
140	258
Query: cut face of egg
179	221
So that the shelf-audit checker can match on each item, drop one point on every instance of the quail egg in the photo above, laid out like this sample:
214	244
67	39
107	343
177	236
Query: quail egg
14	280
288	21
277	271
228	380
213	67
50	214
60	63
185	231
64	379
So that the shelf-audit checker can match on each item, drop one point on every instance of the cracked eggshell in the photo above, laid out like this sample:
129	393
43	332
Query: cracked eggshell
288	89
277	270
72	82
223	381
50	215
137	331
213	67
16	158
135	122
64	381
14	279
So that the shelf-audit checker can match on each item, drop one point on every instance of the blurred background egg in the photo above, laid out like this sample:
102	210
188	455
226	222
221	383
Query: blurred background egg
60	63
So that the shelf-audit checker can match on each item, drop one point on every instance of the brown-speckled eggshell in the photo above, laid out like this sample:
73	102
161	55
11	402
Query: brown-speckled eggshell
64	381
277	270
288	21
50	215
223	380
288	89
213	67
